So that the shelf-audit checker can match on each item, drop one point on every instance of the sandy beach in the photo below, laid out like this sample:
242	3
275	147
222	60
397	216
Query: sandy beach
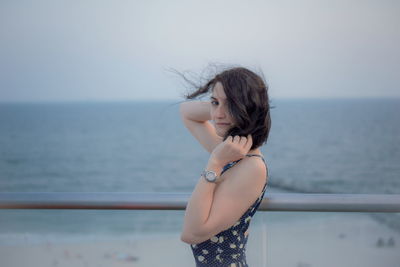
335	241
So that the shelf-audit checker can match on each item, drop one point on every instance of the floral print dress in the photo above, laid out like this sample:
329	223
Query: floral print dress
228	248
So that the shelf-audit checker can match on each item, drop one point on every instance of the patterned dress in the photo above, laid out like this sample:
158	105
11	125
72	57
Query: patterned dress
228	248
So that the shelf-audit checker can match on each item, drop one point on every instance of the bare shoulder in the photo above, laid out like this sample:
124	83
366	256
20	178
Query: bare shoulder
254	165
249	173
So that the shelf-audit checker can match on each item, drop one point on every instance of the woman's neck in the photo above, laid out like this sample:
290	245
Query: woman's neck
255	151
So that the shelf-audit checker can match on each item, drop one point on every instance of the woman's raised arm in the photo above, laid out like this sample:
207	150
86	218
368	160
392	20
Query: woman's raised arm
196	110
195	116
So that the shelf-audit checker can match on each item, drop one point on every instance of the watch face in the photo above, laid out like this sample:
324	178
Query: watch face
210	175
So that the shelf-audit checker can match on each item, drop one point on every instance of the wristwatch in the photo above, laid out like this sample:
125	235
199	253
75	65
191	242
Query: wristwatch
210	176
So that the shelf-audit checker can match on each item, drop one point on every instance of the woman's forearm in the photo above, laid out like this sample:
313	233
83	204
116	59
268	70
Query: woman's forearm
196	110
200	203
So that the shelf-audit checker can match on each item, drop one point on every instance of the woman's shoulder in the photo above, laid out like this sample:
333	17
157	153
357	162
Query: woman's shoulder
252	168
252	164
245	180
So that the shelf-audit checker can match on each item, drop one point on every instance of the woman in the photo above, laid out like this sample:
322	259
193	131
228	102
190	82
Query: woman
233	183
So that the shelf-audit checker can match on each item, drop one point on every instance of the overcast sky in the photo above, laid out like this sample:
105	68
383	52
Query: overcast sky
120	50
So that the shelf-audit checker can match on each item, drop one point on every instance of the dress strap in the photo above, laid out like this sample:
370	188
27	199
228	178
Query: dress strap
251	155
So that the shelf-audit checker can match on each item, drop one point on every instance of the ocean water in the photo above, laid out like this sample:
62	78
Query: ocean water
315	146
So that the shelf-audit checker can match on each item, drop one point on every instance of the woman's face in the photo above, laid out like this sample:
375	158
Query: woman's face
219	110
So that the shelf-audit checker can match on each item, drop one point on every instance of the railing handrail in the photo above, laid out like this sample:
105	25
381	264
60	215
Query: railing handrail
177	201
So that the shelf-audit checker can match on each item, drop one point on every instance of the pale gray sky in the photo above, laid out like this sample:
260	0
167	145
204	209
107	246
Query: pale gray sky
119	50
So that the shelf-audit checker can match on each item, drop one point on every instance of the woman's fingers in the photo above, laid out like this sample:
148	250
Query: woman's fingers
236	139
249	142
240	140
243	141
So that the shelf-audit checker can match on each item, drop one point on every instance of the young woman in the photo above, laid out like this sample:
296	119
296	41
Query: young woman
233	182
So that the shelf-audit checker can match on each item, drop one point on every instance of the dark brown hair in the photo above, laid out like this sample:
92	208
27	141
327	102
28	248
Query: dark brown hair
247	99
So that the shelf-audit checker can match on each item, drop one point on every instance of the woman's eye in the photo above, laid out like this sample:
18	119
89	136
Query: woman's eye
212	102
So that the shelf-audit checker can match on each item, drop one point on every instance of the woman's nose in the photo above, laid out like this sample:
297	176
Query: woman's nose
220	112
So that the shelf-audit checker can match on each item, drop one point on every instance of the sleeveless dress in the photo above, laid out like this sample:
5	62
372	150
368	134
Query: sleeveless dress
228	248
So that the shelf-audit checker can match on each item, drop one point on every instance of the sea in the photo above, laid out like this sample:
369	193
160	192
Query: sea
348	145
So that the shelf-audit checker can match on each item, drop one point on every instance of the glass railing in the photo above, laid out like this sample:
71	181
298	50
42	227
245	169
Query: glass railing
324	239
143	229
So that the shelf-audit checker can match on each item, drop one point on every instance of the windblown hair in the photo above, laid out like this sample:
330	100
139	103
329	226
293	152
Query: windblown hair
247	100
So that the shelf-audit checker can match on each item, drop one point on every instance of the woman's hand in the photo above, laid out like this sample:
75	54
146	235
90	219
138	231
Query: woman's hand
233	148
